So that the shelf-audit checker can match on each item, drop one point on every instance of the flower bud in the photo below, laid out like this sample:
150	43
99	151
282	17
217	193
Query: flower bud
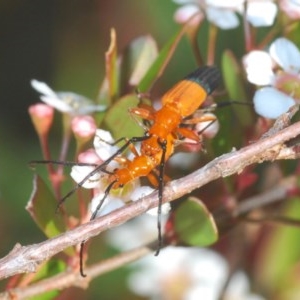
41	117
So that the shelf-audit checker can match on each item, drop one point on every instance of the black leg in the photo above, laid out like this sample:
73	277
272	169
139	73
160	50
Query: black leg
101	167
163	145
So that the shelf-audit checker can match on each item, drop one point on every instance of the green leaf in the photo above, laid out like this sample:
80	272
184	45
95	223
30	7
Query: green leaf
118	120
194	225
236	118
234	84
137	59
42	206
279	254
161	61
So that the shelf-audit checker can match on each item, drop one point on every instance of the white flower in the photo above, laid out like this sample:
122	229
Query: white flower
110	204
271	103
200	274
223	13
259	67
222	17
209	128
79	173
103	150
282	87
261	13
66	102
104	144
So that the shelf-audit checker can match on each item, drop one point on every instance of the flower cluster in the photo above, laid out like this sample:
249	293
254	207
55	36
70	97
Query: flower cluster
188	273
223	14
276	73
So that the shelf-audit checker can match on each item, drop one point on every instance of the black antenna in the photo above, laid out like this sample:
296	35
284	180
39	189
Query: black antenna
106	193
101	168
163	145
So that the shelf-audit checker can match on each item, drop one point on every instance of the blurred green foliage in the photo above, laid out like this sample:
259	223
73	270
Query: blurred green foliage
63	43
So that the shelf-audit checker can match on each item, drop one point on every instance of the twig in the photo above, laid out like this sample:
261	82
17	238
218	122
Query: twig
270	196
71	278
24	259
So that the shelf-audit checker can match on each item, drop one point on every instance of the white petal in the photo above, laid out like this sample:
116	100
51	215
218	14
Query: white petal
79	104
96	108
215	266
238	285
210	128
232	4
95	201
103	136
151	272
110	204
141	192
103	144
271	103
138	231
225	19
258	66
286	54
56	103
204	278
42	88
66	102
165	209
184	13
261	14
89	109
78	173
184	160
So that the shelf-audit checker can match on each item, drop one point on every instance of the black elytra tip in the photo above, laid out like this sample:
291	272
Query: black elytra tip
208	77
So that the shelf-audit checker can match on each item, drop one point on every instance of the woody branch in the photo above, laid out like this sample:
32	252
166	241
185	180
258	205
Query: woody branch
24	259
